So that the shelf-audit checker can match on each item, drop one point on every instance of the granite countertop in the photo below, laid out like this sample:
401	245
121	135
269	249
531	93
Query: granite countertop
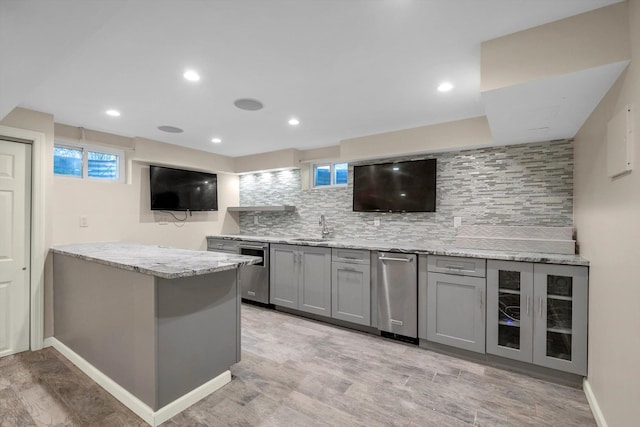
546	258
161	261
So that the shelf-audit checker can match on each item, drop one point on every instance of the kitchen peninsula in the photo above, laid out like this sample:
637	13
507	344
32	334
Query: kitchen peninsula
157	327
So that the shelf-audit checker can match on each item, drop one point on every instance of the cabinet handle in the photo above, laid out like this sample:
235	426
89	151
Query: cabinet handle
348	269
482	304
540	308
528	305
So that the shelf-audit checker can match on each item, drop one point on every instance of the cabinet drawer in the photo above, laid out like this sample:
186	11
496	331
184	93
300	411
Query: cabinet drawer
222	245
353	256
456	265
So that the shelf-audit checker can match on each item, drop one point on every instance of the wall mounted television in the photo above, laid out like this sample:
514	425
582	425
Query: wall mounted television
408	186
182	190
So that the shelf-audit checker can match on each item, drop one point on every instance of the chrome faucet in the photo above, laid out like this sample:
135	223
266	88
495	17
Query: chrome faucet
325	230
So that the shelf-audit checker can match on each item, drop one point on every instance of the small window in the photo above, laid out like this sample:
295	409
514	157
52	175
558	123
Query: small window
67	161
330	174
102	164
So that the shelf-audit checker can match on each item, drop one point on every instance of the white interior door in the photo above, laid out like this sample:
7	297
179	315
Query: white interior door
15	214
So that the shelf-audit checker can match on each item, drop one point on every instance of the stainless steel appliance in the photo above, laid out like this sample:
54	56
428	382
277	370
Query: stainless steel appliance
398	293
254	279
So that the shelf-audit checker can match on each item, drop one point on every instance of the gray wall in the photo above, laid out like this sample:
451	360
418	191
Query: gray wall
526	184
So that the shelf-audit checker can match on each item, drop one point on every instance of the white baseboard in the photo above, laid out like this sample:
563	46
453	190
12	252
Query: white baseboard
153	418
48	342
593	404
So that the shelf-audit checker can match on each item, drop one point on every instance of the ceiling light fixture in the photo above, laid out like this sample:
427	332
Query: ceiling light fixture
445	87
191	75
294	122
216	140
113	113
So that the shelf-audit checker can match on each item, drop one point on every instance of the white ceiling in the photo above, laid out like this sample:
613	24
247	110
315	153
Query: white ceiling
344	68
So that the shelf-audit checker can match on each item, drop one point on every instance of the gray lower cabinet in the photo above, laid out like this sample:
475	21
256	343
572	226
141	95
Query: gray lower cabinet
351	292
301	278
455	305
537	313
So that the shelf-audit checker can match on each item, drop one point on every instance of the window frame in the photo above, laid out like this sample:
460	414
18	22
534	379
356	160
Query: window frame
332	168
86	148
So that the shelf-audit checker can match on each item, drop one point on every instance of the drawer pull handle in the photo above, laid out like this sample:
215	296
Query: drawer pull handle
396	322
455	266
253	294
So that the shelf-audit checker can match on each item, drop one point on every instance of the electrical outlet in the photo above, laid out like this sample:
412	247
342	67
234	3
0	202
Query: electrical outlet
457	221
84	221
376	222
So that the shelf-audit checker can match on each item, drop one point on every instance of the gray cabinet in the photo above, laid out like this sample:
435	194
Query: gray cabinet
351	286
455	303
301	278
222	245
537	313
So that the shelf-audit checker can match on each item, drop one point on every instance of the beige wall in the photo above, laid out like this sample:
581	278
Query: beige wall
607	219
122	211
289	158
573	44
468	133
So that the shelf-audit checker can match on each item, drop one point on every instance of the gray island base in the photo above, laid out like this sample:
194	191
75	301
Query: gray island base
156	327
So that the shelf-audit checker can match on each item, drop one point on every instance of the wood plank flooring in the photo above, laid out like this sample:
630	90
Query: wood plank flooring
297	372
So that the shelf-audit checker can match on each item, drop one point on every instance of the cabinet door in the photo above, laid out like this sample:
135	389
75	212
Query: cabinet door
284	275
560	325
351	293
456	311
510	309
314	291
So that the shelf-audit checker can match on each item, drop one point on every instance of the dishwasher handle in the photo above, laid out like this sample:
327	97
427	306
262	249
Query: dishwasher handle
395	259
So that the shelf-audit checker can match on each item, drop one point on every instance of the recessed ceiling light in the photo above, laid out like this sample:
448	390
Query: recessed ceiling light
113	113
191	75
216	140
395	168
248	104
445	87
170	129
294	122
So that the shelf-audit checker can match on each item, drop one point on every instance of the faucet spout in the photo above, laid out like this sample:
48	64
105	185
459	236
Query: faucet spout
325	230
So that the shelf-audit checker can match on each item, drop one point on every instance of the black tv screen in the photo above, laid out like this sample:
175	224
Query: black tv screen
183	190
395	187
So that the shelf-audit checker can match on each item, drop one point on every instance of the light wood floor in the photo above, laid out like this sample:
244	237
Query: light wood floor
297	372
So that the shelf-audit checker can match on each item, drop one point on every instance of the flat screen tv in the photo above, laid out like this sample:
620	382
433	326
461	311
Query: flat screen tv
395	187
182	190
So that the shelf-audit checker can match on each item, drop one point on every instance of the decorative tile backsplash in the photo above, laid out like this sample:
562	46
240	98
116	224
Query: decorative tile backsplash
518	185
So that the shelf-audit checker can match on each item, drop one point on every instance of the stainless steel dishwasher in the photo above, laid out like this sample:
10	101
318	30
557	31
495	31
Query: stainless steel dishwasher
398	293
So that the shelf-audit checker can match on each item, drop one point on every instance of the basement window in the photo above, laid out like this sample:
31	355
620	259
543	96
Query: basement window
329	174
86	162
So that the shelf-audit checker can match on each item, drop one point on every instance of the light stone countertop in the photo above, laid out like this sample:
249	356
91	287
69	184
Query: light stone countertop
161	261
417	248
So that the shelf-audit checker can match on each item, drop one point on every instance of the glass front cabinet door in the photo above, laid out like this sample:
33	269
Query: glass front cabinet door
510	309
560	321
537	313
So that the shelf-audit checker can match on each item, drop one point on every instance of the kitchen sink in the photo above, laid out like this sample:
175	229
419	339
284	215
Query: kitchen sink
310	239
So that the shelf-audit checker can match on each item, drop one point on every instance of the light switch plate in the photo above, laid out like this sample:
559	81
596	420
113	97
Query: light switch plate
376	222
457	221
84	221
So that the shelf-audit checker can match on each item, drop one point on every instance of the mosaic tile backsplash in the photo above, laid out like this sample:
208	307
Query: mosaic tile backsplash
526	185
